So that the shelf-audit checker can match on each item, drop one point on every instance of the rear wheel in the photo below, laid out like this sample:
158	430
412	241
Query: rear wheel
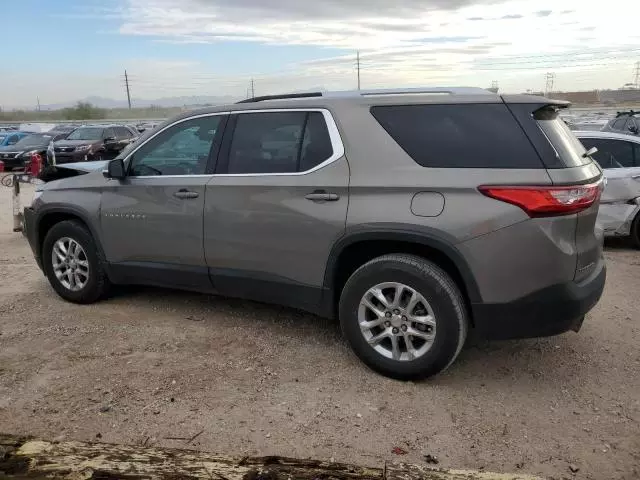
73	264
403	316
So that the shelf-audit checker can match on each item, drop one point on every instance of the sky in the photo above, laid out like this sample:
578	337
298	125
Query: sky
67	50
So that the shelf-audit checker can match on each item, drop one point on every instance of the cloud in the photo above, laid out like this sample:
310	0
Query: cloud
544	13
512	16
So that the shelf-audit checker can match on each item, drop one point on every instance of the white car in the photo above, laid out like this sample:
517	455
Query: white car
619	156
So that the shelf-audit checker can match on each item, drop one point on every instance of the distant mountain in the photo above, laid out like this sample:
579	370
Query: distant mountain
104	102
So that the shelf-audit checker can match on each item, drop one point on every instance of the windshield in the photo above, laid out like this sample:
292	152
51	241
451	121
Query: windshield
34	141
86	133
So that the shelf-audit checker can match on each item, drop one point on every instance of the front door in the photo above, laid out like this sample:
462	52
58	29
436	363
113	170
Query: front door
276	205
152	221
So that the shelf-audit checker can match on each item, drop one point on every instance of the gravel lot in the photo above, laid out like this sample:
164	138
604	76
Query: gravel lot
149	364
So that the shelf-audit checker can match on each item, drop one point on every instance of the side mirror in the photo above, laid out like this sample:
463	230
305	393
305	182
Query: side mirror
115	169
633	128
109	139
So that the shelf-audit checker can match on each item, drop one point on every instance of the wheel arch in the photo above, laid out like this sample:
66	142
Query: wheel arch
54	215
356	248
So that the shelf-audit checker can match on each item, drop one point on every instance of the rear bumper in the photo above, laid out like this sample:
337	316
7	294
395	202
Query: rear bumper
550	311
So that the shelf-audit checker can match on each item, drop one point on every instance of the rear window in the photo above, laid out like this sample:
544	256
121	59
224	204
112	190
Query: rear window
458	136
567	146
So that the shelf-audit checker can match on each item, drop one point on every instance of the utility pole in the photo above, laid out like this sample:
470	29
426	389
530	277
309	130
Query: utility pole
126	82
550	79
358	67
637	75
38	99
253	89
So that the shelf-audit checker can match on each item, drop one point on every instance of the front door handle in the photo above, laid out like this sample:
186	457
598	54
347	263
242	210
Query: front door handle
322	196
185	194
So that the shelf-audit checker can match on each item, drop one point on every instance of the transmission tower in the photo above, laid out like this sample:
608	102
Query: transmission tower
636	74
550	78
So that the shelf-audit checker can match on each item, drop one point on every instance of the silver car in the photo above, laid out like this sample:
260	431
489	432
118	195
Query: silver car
619	156
412	216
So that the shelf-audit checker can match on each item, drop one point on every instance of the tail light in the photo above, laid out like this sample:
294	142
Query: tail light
546	201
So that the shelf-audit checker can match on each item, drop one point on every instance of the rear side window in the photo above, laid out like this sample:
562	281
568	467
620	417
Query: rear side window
568	148
279	142
458	136
619	123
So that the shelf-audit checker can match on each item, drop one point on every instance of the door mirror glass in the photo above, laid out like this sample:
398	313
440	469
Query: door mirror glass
115	169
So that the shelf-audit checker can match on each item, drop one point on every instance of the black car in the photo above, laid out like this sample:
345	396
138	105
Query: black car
94	142
15	156
625	122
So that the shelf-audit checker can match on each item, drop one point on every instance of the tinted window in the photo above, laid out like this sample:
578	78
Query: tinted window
279	142
619	123
108	132
611	153
182	149
459	136
122	132
630	125
13	140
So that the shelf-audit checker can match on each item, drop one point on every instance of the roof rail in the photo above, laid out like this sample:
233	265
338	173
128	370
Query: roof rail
386	91
630	113
281	97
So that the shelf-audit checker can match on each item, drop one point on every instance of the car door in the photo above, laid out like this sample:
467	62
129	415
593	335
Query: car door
152	220
620	160
276	205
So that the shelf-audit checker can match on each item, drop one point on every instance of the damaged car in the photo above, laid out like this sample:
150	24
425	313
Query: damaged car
619	156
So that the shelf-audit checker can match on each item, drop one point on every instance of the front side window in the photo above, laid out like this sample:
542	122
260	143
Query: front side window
279	142
13	140
631	125
611	153
182	149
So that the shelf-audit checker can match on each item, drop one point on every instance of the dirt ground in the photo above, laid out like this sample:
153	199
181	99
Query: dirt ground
179	369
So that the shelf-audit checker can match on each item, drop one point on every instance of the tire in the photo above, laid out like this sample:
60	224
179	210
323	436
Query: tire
96	284
635	231
445	304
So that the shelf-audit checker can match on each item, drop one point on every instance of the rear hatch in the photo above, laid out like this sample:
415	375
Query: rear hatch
570	168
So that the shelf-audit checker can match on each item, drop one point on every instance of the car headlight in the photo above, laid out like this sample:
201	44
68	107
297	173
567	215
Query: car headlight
28	154
83	148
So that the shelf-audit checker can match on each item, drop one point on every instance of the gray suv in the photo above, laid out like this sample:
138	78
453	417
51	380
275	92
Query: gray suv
411	216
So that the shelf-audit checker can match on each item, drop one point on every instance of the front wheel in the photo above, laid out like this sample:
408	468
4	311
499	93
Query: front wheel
635	231
403	316
73	264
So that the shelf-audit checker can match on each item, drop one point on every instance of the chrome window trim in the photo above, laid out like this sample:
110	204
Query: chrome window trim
334	136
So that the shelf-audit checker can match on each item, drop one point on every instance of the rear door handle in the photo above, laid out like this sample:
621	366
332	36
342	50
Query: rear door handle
322	196
185	194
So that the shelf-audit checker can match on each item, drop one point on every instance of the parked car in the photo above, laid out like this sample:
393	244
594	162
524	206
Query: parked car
412	217
10	138
95	142
15	156
625	122
619	156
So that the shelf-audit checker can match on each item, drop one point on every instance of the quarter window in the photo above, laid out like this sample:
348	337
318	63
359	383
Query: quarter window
458	136
611	153
279	142
182	149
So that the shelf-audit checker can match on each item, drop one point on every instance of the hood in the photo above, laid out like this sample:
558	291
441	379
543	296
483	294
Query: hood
85	166
74	143
68	170
10	148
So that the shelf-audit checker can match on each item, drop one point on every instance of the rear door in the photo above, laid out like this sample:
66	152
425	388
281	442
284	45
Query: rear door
151	221
276	205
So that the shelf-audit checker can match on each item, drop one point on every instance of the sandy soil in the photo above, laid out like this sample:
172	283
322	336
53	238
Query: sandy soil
237	377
